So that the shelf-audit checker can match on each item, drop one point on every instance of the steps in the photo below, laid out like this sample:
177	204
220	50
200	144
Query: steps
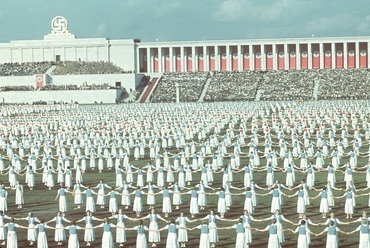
204	90
149	90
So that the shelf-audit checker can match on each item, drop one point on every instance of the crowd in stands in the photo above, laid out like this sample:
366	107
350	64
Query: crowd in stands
191	85
62	68
57	87
24	69
82	67
266	85
17	88
232	86
344	84
287	85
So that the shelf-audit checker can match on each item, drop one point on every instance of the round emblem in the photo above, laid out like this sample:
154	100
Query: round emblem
246	55
190	56
59	25
223	56
235	56
304	54
316	54
178	57
281	54
351	53
292	54
258	55
327	53
201	56
39	79
213	56
339	53
269	55
363	53
167	57
156	57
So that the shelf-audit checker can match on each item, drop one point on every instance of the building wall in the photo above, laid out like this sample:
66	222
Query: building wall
80	96
128	81
187	56
239	55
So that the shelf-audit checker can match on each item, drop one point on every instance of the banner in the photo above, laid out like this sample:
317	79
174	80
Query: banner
304	60
316	60
292	60
246	63
40	81
281	61
339	59
223	62
327	60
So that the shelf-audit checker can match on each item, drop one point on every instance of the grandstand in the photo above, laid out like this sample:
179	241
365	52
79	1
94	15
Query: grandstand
242	70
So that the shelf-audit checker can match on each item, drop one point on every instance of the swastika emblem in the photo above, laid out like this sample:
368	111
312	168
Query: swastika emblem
39	79
59	25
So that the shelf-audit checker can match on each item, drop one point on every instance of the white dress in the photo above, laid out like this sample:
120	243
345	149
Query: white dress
11	239
141	241
204	241
172	241
60	234
107	238
73	237
120	231
154	236
182	231
42	240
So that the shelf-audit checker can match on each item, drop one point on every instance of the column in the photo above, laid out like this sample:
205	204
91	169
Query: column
345	56
251	58
333	56
263	58
183	60
368	55
357	52
205	58
274	57
149	60
195	59
160	60
309	55
138	59
228	58
322	54
286	57
298	56
217	59
170	54
240	57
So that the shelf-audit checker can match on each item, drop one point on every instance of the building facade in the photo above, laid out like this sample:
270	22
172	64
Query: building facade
190	56
245	55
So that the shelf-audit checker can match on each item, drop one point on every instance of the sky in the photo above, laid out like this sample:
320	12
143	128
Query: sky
186	20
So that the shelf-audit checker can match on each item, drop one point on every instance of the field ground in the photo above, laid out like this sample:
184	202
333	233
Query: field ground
42	202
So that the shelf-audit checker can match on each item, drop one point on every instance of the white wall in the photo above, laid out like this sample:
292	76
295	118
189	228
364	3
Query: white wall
81	96
129	81
119	52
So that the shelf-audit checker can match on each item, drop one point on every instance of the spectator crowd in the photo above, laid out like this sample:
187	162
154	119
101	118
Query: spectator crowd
191	85
83	67
24	69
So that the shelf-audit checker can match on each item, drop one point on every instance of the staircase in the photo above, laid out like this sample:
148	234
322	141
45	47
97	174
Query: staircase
149	90
204	90
50	70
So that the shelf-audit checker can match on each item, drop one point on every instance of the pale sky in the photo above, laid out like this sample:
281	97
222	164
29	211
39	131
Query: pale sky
184	20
